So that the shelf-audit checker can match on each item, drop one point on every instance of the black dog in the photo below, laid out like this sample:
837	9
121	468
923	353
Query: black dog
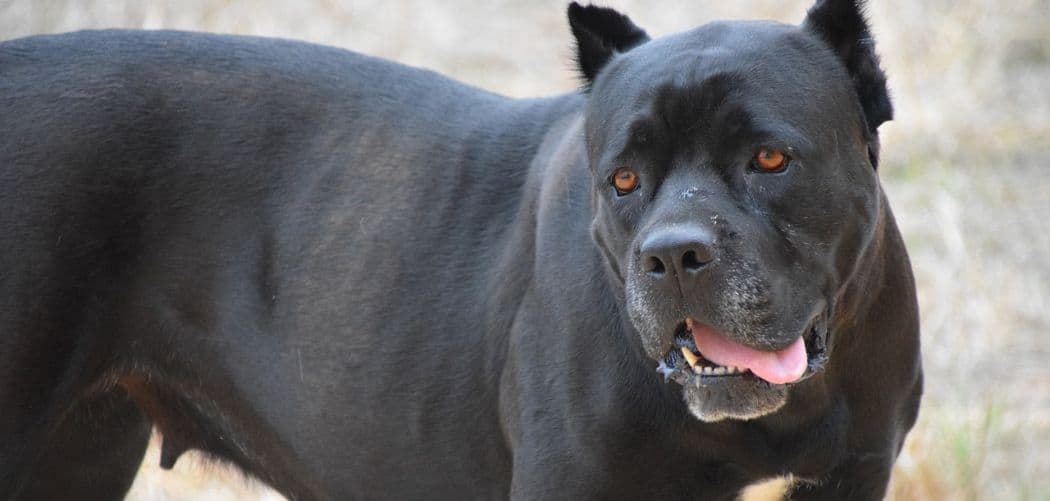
357	280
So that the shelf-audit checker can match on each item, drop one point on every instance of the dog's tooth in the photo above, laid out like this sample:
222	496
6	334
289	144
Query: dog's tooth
690	356
707	370
718	371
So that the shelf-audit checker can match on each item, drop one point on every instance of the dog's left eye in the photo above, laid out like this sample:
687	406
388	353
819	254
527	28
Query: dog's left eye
624	180
769	160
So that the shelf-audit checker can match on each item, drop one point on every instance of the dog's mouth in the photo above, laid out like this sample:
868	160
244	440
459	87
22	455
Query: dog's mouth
701	356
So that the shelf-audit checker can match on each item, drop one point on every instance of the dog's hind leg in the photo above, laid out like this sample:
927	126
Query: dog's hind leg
66	430
93	454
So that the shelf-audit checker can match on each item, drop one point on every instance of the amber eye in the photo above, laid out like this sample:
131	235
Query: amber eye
771	160
625	180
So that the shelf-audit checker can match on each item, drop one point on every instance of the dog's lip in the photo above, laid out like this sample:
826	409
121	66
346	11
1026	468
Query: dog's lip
685	364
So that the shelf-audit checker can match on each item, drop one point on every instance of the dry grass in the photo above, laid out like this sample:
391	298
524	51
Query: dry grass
965	165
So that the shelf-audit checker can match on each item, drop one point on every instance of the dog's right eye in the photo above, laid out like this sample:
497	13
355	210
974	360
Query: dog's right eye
770	160
625	181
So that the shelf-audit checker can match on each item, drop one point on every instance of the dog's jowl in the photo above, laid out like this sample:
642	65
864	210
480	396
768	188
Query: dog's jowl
358	280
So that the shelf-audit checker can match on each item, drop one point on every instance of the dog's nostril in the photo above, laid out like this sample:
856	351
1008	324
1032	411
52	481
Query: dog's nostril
694	259
654	266
689	261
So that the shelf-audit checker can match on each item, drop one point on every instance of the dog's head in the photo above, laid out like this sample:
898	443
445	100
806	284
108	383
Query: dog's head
735	190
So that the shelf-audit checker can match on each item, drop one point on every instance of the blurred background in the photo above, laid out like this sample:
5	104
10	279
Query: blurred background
966	165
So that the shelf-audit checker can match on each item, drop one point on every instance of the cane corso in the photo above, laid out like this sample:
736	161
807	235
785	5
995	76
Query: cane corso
358	280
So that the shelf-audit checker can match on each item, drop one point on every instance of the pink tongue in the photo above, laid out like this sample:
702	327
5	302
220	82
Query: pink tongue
777	367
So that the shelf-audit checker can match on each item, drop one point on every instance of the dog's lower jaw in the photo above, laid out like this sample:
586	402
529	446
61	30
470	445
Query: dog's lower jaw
713	406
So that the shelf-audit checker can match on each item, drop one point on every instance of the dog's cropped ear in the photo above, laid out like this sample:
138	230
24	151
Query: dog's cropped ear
600	33
841	24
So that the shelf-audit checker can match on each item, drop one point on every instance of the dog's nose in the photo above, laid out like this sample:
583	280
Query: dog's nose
676	252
